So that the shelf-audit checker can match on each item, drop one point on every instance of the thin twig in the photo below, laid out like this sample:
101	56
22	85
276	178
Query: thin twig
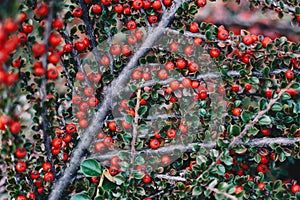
135	126
215	190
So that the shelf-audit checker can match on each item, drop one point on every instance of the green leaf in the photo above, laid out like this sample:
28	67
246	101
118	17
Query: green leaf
285	96
139	160
264	120
90	167
119	179
276	107
297	10
138	174
196	191
252	131
234	130
246	116
80	197
142	110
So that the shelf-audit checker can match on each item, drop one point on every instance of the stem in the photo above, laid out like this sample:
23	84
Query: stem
134	128
258	142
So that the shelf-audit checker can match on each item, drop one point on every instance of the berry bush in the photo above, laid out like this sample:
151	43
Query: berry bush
149	99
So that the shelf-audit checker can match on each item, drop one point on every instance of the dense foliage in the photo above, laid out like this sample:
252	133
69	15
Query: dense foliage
148	99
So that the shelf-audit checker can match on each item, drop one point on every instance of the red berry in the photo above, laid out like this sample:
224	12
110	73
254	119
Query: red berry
77	12
235	88
266	132
214	52
165	160
222	33
181	63
46	166
21	152
295	188
154	143
156	4
115	161
131	25
171	133
247	39
99	146
248	86
289	74
262	168
38	49
269	93
237	111
113	170
21	166
137	4
108	140
152	19
42	9
49	177
201	3
194	27
70	128
15	127
96	8
106	2
56	142
147	178
162	74
118	8
266	41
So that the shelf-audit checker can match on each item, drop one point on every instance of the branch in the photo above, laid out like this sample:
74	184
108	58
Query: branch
193	35
111	92
46	136
215	190
275	6
258	142
134	128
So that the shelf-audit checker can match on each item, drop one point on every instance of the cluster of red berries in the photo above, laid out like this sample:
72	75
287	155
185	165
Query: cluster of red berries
105	141
6	122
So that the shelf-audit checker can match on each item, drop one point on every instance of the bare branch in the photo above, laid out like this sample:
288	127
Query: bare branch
215	190
258	142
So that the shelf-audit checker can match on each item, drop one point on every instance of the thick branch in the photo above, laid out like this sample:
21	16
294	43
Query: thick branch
113	90
46	136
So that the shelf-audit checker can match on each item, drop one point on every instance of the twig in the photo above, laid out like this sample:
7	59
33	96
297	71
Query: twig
135	126
258	142
113	90
215	190
193	35
43	90
170	178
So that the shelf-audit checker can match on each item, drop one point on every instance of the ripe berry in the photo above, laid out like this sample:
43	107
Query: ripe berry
21	166
266	132
96	8
237	111
214	52
106	2
247	40
269	93
38	49
188	50
49	177
198	41
194	27
93	101
222	33
131	25
181	63
202	94
262	168
108	140
248	86
118	8
289	74
201	3
58	23
113	170
156	4
42	9
152	19
15	127
186	82
70	128
167	2
112	125
146	4
295	188
137	4
67	138
154	143
238	189
20	152
147	178
235	88
52	73
77	12
115	161
162	74
57	142
266	41
171	133
165	160
46	166
99	146
21	197
174	84
193	67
